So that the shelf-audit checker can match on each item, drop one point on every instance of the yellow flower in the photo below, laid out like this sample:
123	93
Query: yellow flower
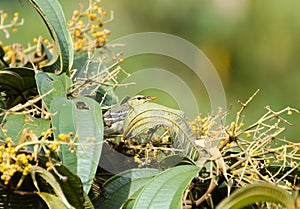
5	15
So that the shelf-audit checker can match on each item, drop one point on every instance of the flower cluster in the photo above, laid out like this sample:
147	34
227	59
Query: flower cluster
208	130
12	162
86	27
14	22
16	55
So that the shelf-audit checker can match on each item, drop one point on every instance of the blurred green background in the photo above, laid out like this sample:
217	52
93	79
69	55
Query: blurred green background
252	44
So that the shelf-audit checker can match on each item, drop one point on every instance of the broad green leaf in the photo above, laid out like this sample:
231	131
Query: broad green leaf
89	67
125	184
70	183
82	117
64	122
93	72
15	124
150	115
166	189
116	182
106	96
18	84
51	180
27	75
52	14
126	192
47	81
52	201
129	203
259	192
72	187
173	160
11	81
80	60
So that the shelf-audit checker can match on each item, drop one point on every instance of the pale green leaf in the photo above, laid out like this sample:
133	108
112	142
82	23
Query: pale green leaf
82	117
166	189
93	71
47	81
51	180
125	184
149	115
259	192
15	124
52	201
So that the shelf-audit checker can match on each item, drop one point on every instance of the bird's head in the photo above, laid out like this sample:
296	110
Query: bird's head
139	99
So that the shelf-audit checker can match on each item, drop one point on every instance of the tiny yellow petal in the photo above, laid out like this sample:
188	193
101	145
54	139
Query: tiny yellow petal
8	139
46	41
75	13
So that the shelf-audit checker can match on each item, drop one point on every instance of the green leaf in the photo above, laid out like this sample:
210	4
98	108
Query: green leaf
129	204
52	201
86	70
82	117
18	83
166	189
52	14
15	124
79	64
72	187
88	203
11	81
49	178
27	75
125	184
3	105
259	192
173	160
116	182
47	81
70	183
150	115
106	96
126	192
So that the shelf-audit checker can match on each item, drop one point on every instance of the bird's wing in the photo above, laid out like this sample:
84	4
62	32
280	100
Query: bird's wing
116	114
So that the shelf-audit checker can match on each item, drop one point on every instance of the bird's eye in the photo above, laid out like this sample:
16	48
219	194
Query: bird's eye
139	98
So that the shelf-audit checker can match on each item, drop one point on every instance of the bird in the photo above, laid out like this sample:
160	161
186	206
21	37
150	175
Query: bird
114	118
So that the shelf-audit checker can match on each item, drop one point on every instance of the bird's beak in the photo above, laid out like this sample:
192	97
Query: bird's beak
150	98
